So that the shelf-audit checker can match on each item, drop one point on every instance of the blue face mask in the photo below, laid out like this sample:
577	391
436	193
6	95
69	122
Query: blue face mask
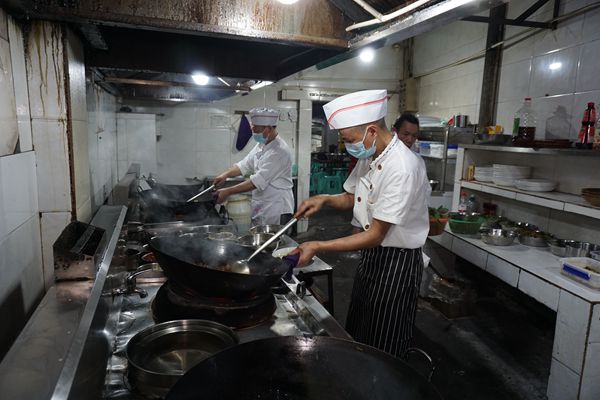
259	138
358	150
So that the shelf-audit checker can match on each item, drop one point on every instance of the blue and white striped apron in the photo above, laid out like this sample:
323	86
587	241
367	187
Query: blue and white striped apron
383	304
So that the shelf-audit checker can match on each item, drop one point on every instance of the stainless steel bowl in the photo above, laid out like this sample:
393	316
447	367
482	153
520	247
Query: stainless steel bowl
497	237
580	249
159	355
265	229
257	239
534	238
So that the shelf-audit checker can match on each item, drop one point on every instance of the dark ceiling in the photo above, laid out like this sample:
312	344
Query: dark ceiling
149	48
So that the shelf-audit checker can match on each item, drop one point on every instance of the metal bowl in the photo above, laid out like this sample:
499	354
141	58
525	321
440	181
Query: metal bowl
580	249
534	238
265	229
159	355
257	239
497	237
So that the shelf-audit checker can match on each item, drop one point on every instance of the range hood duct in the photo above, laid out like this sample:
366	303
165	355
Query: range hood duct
421	21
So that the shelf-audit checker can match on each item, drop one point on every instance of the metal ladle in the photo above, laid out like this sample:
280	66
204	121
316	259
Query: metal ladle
242	267
208	189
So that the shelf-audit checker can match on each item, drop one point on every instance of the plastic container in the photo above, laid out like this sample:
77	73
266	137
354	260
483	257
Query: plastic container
452	150
425	148
239	209
437	150
582	269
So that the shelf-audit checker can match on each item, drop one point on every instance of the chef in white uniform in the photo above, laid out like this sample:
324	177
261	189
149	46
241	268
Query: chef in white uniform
387	193
269	167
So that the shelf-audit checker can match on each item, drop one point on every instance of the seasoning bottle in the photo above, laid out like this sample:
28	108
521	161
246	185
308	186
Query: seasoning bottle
462	204
586	134
596	145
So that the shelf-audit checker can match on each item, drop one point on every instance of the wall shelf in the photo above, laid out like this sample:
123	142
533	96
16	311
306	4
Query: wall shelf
529	150
554	200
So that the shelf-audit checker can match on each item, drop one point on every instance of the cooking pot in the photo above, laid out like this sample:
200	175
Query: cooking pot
201	264
296	367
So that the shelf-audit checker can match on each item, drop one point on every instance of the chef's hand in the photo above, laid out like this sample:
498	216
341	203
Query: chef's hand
310	206
307	251
221	195
219	180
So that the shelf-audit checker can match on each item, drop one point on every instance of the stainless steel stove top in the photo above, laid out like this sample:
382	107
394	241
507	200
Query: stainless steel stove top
294	316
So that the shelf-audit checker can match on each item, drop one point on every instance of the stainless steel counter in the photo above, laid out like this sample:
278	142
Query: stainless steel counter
41	362
72	347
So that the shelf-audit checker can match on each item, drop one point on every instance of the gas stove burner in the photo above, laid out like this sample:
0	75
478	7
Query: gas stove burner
173	302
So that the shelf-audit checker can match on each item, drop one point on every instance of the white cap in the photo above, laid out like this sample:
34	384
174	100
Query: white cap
264	116
356	108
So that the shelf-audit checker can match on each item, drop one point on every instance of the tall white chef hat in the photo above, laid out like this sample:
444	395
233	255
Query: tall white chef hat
264	116
356	108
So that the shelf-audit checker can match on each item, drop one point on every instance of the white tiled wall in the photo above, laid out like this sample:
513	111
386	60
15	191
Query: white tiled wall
559	94
453	90
17	55
8	118
136	142
102	143
21	276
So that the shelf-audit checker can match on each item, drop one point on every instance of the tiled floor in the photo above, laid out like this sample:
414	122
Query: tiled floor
502	351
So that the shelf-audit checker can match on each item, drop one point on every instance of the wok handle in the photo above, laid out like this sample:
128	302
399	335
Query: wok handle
208	189
273	238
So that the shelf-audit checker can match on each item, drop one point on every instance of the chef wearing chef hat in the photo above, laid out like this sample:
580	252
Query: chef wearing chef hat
269	167
387	193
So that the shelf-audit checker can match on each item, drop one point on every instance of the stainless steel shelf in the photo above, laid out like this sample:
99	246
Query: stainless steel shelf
528	150
554	200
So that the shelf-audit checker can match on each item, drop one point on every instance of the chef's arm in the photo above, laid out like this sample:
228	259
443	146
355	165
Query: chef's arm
372	237
342	201
230	173
245	186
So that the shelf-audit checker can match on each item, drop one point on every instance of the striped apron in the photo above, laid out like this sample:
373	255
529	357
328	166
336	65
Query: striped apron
383	304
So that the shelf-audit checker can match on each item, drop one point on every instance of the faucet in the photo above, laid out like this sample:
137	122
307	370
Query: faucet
130	281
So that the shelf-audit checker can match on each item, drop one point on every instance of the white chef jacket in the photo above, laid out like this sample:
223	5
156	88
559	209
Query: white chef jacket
392	188
270	169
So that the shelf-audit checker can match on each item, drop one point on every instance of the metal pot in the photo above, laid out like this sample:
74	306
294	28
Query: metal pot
200	264
257	239
295	367
265	229
159	355
180	227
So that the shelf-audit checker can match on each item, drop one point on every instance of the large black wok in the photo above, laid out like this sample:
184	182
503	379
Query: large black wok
295	368
201	264
161	204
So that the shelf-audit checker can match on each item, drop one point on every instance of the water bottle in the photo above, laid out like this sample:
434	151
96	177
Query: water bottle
472	206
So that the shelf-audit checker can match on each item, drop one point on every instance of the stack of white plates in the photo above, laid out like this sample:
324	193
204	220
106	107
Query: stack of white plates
505	175
535	185
484	174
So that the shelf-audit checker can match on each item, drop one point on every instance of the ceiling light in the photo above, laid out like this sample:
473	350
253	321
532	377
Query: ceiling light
367	55
260	84
287	1
555	65
200	79
223	81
